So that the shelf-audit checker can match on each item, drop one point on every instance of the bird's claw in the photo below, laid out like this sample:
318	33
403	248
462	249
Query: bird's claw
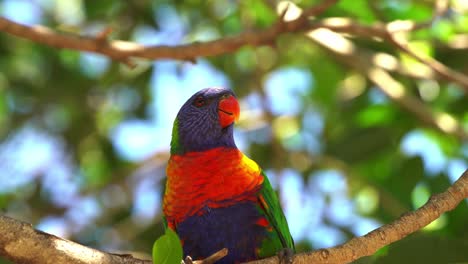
188	260
286	256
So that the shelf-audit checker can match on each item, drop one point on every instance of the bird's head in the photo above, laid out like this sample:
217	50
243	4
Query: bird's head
205	121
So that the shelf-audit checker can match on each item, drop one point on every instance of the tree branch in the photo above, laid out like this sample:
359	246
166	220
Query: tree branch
21	243
347	52
393	34
122	50
443	71
408	223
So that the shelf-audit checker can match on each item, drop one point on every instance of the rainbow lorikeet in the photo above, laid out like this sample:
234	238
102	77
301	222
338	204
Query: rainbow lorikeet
215	196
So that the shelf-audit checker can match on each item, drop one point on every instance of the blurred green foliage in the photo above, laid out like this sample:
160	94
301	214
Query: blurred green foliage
360	132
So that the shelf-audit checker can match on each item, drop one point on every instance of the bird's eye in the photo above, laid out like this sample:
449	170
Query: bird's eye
225	96
199	102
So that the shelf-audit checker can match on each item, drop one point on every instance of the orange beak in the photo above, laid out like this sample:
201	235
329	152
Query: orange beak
228	110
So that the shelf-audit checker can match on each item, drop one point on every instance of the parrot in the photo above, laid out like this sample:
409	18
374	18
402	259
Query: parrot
215	196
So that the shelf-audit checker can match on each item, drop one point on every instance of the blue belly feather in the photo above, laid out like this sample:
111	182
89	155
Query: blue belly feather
232	227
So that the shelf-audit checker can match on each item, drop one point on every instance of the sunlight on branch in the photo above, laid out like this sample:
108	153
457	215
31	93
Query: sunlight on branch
333	40
337	22
446	122
292	10
400	25
79	253
386	61
393	89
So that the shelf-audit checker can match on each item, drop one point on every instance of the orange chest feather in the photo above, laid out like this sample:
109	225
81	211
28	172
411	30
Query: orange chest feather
214	178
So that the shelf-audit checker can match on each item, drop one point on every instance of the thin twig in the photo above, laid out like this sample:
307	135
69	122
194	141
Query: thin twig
389	33
213	258
359	60
443	71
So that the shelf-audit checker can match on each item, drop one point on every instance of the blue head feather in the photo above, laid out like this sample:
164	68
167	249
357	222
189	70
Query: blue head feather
197	126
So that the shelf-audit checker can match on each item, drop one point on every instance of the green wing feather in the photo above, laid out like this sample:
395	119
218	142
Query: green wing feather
164	221
272	208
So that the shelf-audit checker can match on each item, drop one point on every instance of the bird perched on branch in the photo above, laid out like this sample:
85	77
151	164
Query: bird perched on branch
215	196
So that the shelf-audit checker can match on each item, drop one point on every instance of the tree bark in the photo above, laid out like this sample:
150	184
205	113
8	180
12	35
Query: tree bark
21	243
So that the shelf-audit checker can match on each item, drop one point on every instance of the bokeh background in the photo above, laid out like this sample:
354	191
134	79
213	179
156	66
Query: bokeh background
84	140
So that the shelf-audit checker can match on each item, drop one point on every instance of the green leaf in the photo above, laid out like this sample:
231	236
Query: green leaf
375	115
443	30
359	9
413	10
167	249
259	13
